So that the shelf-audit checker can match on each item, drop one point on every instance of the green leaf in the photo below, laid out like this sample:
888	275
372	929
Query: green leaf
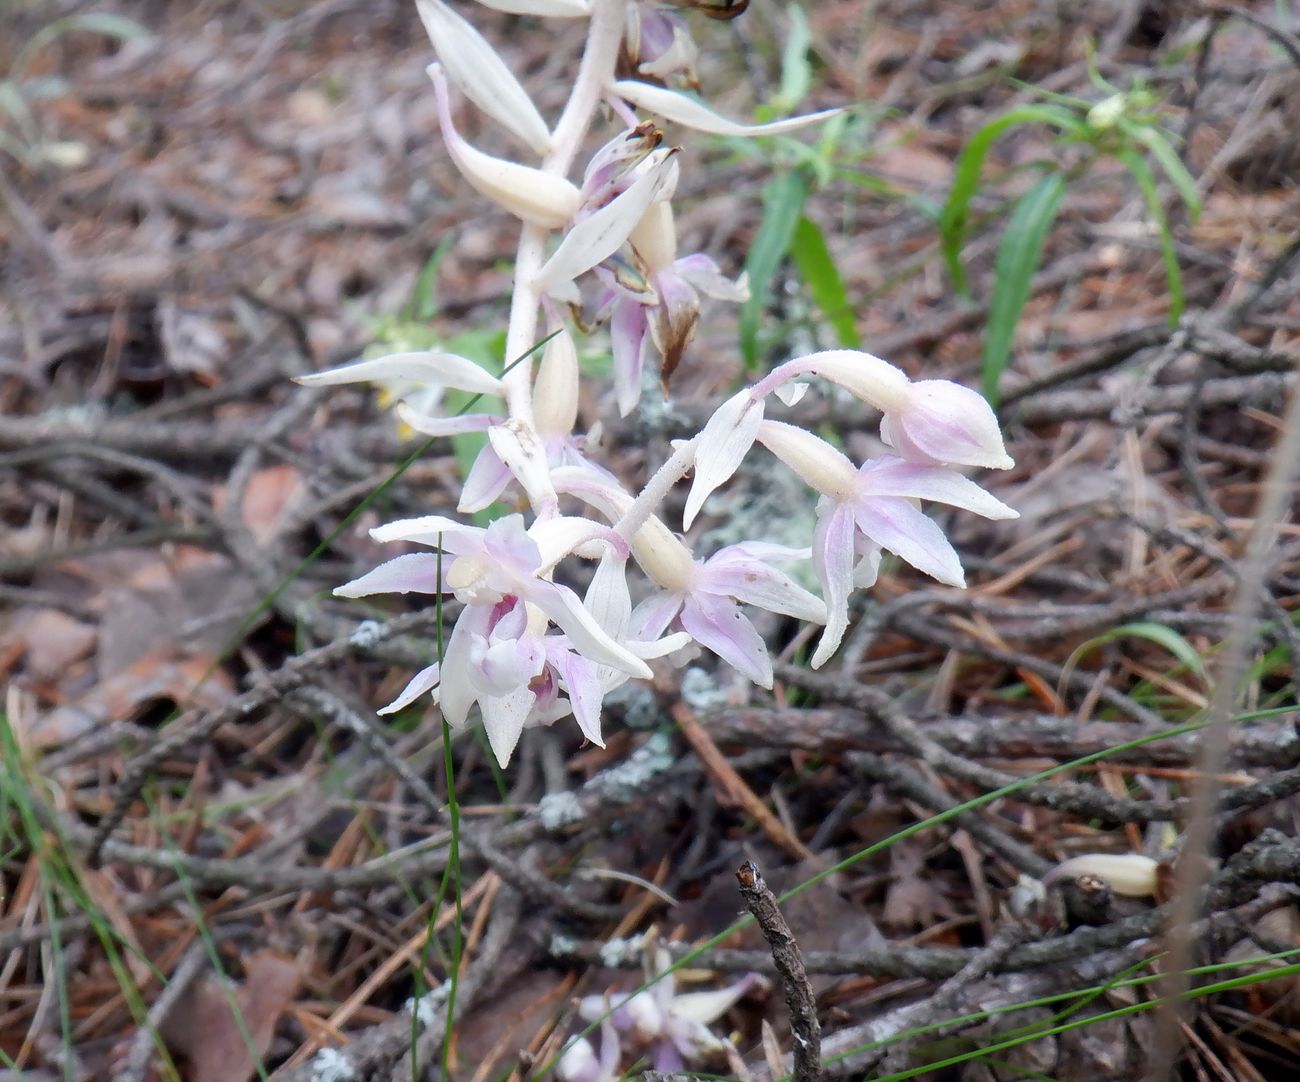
1162	636
954	219
813	258
783	202
1018	257
1146	180
796	72
1169	161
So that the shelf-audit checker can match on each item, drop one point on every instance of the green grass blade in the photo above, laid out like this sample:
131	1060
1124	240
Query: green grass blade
813	257
954	218
1137	165
783	202
1018	258
1170	163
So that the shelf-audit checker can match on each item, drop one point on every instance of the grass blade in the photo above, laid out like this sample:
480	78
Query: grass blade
1018	257
954	218
783	202
1137	165
813	257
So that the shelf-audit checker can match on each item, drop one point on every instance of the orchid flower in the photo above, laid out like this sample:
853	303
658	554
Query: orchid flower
675	1027
580	1063
663	306
497	648
877	504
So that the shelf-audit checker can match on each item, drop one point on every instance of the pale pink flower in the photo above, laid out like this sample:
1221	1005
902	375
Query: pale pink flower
497	652
869	508
707	606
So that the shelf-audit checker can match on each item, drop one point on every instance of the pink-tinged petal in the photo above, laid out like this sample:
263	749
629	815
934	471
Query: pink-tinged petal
424	368
563	607
756	583
666	1058
423	681
500	668
704	274
890	476
522	450
651	618
416	572
946	423
510	546
726	439
629	337
582	685
455	693
832	553
486	480
429	425
503	719
895	525
437	531
717	624
601	233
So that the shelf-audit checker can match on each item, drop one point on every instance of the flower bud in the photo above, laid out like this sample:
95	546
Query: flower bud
539	198
655	237
555	392
1129	874
812	458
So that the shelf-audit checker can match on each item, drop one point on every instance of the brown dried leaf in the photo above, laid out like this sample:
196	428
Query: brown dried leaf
205	1029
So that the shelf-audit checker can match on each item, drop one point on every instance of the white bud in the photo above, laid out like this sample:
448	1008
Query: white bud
538	198
812	458
1129	874
655	237
555	392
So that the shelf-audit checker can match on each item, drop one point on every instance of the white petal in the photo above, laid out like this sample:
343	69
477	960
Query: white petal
426	529
503	718
428	367
599	235
563	607
725	441
542	199
607	598
416	571
455	693
482	75
560	9
518	446
694	114
790	393
558	537
423	681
